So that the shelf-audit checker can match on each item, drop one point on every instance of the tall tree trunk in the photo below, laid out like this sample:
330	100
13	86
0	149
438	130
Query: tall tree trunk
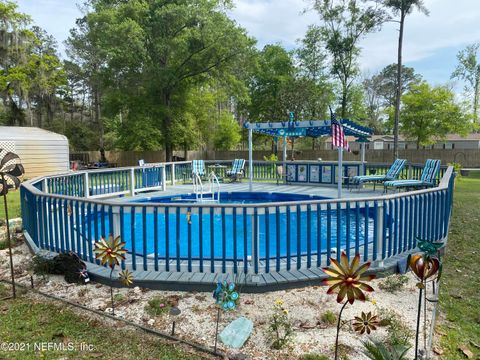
167	123
99	122
344	100
399	86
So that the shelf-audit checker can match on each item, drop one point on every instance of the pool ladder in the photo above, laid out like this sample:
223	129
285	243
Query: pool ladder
209	194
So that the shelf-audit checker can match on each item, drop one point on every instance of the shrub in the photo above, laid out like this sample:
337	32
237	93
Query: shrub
118	297
456	167
157	306
280	331
377	350
271	157
4	245
393	283
329	317
42	266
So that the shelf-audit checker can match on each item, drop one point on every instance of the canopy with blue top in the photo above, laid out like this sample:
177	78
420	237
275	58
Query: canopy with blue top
305	128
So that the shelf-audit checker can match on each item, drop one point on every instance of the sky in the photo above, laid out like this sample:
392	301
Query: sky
431	43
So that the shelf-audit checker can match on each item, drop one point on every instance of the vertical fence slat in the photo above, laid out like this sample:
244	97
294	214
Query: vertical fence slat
155	238
267	239
289	219
200	237
177	238
189	239
309	236
144	240
277	238
133	240
299	237
234	219
329	232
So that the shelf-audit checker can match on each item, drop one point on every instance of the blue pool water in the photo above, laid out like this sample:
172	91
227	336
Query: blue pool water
235	198
223	233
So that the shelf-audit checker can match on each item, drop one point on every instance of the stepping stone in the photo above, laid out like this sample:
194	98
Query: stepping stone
237	332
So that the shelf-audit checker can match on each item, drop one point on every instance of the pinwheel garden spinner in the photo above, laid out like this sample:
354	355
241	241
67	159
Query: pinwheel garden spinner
11	172
226	297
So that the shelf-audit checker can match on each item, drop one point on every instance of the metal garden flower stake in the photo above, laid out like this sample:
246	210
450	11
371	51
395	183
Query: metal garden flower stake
426	268
110	252
347	280
226	297
11	171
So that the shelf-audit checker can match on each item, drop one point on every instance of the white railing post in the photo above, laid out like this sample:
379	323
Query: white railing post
164	178
173	174
45	186
86	185
116	221
132	181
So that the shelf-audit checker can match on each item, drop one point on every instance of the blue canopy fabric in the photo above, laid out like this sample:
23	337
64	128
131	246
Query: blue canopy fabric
308	128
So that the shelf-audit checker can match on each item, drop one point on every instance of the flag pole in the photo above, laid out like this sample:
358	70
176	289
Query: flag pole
340	171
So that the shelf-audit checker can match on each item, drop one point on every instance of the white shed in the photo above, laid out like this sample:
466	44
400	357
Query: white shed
42	152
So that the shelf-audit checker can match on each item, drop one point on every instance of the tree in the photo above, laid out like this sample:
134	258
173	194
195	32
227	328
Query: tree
15	44
468	70
227	135
30	72
275	68
402	8
155	51
312	73
430	113
386	81
344	24
381	89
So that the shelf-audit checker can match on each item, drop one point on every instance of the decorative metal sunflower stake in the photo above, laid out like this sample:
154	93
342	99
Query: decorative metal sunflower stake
347	280
226	297
110	252
11	172
426	268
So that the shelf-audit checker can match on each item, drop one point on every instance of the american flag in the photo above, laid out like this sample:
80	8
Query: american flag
338	136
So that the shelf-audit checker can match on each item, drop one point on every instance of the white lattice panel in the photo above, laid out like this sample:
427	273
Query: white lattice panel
7	146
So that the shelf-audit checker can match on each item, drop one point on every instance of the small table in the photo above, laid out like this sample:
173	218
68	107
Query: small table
216	169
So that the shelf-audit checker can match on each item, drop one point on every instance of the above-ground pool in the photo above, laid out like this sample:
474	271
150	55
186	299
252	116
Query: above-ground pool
186	231
234	198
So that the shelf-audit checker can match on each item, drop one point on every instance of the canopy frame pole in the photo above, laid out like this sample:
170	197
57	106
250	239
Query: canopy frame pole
250	159
362	144
340	171
284	159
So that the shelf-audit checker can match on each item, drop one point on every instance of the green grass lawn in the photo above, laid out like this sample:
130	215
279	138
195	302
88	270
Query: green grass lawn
460	289
28	321
13	201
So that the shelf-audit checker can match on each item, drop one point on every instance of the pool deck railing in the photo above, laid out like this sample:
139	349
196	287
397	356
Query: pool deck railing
68	212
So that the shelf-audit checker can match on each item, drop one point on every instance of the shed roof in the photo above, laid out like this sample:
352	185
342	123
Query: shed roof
28	133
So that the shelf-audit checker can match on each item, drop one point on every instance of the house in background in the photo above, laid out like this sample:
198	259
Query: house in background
385	142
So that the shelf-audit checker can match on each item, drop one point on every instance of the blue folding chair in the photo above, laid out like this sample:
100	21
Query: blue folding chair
392	174
237	171
428	179
198	168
